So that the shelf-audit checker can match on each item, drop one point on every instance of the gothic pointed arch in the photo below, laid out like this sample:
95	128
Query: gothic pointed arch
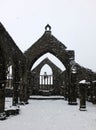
50	63
36	77
48	43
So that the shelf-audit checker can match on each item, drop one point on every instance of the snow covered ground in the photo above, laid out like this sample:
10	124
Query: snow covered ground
51	115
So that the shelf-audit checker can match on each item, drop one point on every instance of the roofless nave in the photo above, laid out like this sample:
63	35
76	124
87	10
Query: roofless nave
19	81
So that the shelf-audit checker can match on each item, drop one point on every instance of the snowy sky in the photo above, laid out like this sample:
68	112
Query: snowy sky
73	22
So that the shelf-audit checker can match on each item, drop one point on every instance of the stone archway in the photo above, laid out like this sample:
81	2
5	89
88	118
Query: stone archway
48	43
36	79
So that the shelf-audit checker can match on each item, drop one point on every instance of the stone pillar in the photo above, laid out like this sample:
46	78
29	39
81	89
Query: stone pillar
2	100
24	88
15	93
24	83
94	92
82	95
23	93
41	80
72	99
16	84
2	86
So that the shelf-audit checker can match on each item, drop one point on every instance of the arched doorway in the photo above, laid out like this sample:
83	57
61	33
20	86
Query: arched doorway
49	44
47	76
53	59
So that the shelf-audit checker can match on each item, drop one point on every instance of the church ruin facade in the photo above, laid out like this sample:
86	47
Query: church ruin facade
22	81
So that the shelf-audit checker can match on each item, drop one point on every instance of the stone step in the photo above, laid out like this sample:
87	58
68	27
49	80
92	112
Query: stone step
46	97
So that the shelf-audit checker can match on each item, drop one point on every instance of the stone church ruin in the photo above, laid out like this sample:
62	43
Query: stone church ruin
19	81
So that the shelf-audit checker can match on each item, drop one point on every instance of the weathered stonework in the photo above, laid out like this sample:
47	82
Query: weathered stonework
15	57
2	84
35	79
66	82
48	43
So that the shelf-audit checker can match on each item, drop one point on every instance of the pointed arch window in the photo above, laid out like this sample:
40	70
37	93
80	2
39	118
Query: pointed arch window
46	77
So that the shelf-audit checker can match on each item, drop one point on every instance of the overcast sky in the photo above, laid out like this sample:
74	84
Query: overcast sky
73	22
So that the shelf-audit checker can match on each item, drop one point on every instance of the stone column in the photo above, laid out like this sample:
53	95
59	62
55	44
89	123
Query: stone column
16	84
82	95
94	92
24	84
72	90
23	93
72	97
2	101
15	93
2	85
41	80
